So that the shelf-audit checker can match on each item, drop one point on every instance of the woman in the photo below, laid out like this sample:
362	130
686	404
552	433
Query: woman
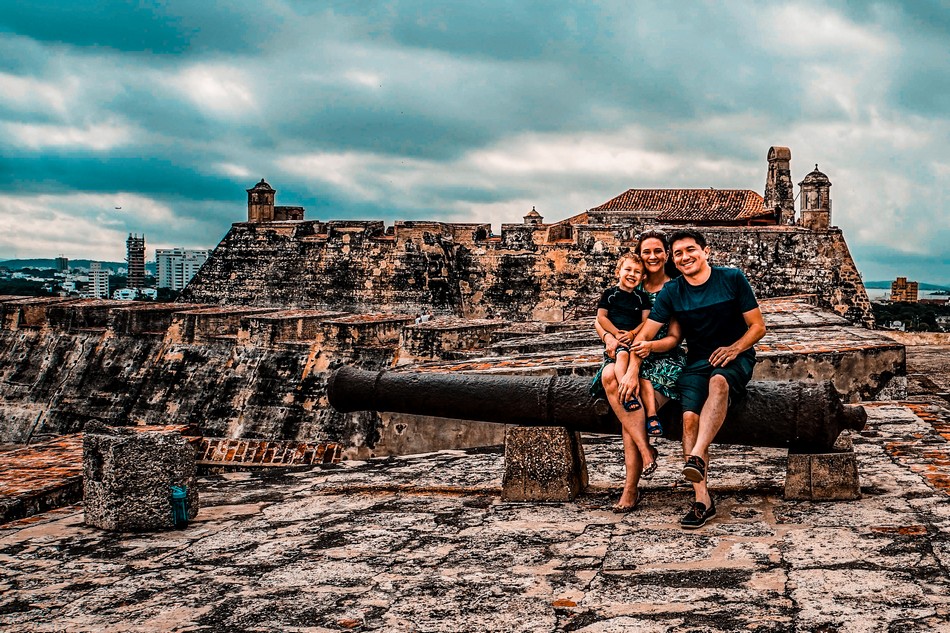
663	360
663	357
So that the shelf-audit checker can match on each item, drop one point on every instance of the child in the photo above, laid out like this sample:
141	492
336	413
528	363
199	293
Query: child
621	313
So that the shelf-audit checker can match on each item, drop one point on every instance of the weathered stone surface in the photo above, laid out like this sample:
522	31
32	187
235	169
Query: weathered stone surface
424	544
128	478
824	476
543	463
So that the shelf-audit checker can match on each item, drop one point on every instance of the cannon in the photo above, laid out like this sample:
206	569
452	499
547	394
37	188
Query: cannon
806	417
546	463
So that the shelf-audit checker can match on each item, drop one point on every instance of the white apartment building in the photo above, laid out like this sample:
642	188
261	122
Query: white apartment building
98	281
176	266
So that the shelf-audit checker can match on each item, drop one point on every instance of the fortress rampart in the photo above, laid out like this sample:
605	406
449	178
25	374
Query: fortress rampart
530	272
260	373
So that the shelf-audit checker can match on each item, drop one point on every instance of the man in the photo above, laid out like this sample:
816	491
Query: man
721	321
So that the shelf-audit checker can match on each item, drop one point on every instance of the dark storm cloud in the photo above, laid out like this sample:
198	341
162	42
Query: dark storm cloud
161	28
462	111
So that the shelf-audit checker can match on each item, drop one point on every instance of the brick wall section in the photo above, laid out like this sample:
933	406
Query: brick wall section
231	452
520	276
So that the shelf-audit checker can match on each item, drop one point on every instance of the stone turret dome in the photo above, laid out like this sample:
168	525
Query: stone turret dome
816	178
262	186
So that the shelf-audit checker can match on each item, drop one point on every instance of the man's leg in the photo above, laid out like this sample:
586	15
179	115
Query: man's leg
707	425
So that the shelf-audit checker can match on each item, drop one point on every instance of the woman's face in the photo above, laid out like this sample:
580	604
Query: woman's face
653	254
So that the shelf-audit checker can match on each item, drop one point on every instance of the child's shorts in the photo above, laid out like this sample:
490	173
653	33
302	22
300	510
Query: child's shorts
693	383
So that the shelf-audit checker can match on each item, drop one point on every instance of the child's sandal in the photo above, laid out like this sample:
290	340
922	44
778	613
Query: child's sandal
632	404
654	426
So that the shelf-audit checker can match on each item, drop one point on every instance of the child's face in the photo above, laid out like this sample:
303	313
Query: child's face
631	273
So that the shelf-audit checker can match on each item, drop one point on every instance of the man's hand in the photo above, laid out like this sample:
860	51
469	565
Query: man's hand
642	349
724	355
611	343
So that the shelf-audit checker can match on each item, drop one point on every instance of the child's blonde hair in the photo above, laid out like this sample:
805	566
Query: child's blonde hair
632	257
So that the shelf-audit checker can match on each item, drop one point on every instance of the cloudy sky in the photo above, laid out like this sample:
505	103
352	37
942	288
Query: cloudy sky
464	111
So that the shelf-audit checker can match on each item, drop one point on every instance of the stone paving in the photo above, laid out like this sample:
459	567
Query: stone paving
423	543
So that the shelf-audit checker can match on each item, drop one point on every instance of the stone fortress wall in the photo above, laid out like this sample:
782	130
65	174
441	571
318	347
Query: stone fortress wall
522	274
282	300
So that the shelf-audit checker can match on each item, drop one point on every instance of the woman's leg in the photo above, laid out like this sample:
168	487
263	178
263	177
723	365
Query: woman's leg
636	447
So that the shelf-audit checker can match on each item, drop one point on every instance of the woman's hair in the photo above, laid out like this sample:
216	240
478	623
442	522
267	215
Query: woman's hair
624	257
652	234
670	268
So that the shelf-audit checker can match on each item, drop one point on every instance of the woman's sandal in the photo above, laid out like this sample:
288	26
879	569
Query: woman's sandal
695	469
623	509
651	469
654	426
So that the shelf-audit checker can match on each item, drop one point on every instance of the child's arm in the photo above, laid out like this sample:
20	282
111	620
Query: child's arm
605	327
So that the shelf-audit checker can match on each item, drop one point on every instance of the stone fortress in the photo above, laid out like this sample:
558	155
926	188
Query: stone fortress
246	352
426	541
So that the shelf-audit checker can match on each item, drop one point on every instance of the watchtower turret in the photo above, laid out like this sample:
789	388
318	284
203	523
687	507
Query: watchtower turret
779	191
816	201
260	202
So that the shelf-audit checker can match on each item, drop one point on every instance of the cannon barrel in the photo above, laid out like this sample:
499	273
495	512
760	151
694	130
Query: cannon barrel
802	416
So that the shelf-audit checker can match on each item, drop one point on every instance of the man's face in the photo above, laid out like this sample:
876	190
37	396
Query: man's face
631	273
689	257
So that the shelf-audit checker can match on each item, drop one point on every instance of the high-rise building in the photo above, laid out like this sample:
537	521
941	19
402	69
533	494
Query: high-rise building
135	249
98	281
62	264
176	266
903	290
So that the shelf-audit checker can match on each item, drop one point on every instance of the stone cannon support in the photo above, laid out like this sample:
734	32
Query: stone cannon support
128	477
803	417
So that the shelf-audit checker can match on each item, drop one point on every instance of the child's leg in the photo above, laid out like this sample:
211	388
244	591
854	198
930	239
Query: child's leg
621	363
648	397
632	403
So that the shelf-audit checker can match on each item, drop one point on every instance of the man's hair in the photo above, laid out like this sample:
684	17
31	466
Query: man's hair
624	257
685	234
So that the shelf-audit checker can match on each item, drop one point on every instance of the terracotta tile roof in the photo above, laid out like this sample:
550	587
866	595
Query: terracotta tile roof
690	205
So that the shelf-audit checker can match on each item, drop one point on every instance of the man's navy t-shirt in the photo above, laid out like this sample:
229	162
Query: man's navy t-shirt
624	309
710	314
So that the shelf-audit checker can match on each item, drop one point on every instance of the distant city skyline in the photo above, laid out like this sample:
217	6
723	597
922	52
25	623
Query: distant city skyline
463	112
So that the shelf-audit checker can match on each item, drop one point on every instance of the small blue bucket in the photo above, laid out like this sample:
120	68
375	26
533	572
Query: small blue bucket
180	505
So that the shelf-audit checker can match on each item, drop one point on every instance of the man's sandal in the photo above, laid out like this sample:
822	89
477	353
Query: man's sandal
695	469
698	515
651	469
654	426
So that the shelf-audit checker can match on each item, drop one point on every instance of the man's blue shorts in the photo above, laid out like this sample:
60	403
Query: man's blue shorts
693	383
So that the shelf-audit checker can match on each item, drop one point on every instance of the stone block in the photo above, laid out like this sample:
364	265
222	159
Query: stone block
543	463
824	476
128	478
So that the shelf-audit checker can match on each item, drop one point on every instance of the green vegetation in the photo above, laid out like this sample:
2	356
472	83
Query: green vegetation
916	317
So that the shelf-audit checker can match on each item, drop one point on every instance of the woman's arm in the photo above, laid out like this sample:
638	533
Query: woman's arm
607	332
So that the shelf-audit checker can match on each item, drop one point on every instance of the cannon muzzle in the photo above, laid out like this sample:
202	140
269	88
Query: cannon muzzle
801	416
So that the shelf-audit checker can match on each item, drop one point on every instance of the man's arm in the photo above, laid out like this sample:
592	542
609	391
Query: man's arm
673	337
756	330
648	330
